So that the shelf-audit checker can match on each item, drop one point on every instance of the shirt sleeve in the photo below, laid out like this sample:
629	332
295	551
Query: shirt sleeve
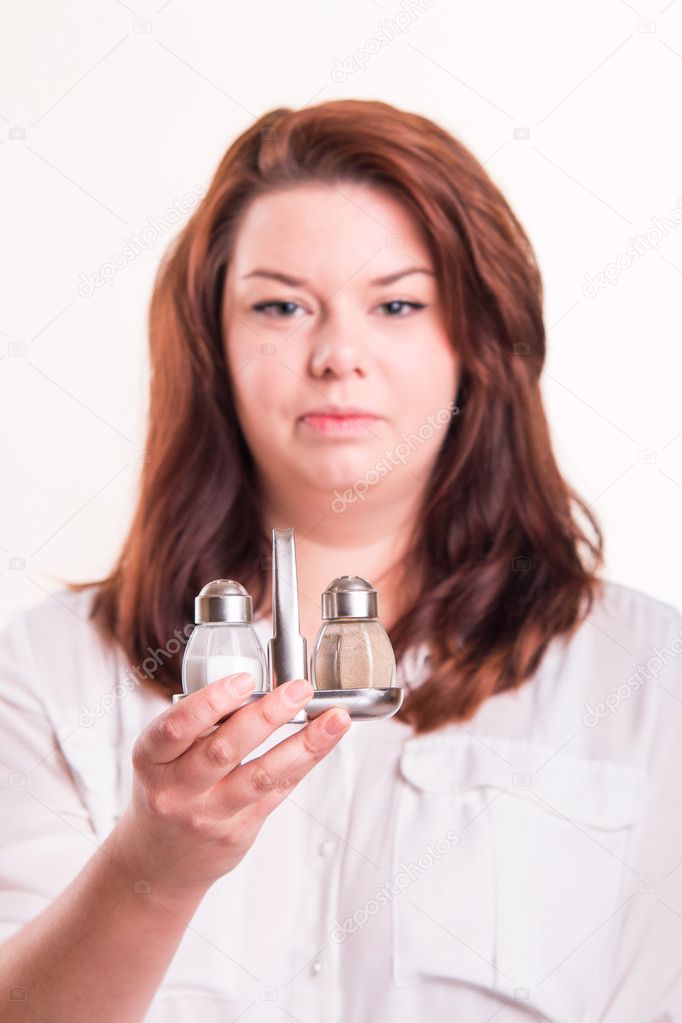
47	834
645	983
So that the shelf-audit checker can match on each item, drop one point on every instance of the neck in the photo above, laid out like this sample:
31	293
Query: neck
368	539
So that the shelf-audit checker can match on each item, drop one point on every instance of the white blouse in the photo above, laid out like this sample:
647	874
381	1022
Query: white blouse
523	865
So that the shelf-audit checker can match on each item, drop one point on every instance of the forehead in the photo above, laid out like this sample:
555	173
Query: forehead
344	227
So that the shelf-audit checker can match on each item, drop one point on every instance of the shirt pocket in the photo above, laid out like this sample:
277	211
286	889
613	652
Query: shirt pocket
509	859
92	761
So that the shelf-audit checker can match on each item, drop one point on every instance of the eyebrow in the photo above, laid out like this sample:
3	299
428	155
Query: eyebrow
295	282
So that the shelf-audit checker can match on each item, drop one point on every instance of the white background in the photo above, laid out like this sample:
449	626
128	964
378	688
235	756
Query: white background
110	113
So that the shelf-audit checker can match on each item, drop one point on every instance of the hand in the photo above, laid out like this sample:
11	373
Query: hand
195	808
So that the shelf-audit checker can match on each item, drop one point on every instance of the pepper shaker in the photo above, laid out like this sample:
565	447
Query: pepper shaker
352	649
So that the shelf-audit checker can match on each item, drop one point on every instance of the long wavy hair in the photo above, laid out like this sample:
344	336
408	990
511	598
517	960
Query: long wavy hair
504	563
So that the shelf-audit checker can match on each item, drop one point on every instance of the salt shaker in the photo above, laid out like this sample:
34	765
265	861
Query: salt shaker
224	640
352	649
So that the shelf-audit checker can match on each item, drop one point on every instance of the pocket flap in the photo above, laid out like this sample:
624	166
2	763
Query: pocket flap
601	793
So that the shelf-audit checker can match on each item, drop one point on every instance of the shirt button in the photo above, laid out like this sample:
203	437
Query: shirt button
326	847
316	968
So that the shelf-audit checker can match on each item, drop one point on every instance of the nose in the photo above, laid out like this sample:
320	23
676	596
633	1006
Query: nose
337	350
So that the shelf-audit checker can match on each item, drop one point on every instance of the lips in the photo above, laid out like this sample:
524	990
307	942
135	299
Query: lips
338	420
340	412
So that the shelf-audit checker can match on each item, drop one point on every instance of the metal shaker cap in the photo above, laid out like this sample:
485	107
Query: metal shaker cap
223	600
349	596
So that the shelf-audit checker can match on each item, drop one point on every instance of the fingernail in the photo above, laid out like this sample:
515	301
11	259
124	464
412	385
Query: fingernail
299	690
336	722
243	683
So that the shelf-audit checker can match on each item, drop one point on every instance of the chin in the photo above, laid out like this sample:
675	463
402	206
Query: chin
331	476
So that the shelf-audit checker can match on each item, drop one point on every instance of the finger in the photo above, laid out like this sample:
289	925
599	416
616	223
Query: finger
265	781
174	731
218	754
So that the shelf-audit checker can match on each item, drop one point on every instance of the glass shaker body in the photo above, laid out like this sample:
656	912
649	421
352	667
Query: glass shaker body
352	654
216	649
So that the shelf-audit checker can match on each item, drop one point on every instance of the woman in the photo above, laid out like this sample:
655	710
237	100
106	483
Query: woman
347	338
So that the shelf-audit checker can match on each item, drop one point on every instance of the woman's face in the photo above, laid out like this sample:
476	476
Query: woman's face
312	318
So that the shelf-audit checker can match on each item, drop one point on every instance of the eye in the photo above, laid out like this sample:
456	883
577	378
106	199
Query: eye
400	302
264	307
286	309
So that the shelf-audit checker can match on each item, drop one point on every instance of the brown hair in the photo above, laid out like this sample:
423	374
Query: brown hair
497	545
